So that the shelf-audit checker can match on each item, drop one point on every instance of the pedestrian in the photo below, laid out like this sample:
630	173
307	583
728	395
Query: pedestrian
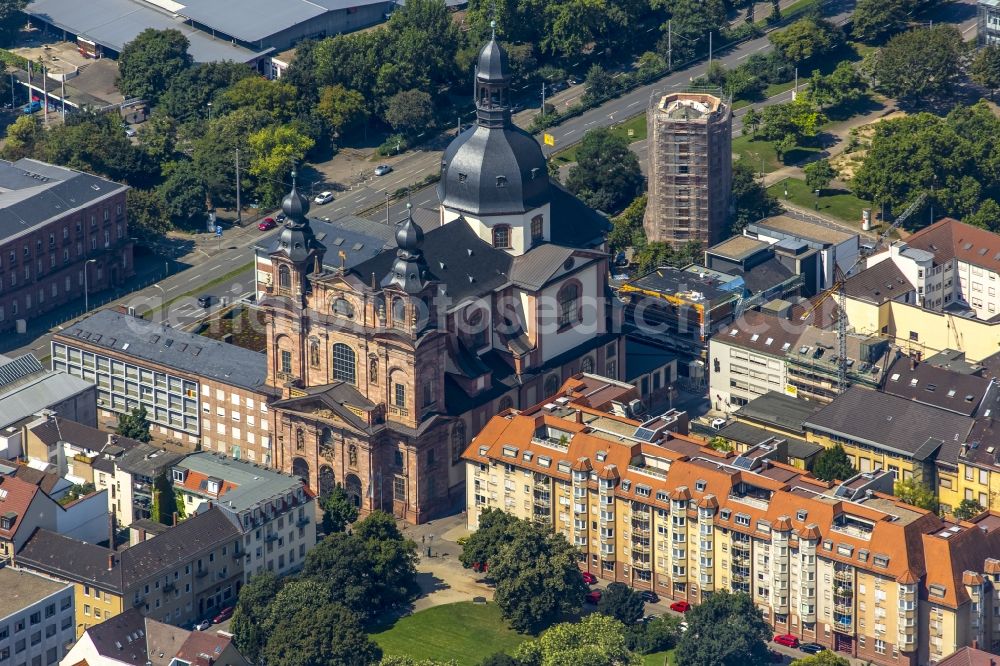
423	539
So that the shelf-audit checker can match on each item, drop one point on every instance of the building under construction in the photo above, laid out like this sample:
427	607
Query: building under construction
690	168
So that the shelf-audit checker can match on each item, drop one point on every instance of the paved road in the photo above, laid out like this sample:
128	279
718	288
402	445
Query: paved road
413	167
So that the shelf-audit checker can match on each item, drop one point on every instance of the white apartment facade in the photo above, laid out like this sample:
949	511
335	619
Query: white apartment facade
37	625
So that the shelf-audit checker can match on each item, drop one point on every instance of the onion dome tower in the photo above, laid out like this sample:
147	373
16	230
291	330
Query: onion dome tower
297	242
409	272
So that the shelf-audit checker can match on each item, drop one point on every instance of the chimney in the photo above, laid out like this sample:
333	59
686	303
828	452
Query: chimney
175	519
111	561
142	534
579	416
913	363
963	450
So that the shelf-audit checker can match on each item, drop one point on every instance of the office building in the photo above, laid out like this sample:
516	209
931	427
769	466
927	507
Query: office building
36	618
690	168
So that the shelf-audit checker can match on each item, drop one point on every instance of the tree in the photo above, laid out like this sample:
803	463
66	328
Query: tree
824	658
405	660
775	16
596	640
499	659
819	174
276	98
751	119
916	493
833	464
986	216
691	20
721	444
843	86
873	19
599	84
968	508
807	39
147	213
320	635
483	545
751	200
921	65
797	119
183	193
626	229
274	150
22	137
607	174
368	571
76	491
985	68
726	629
249	625
658	634
622	603
164	501
150	62
537	577
11	18
338	510
649	256
134	425
409	111
192	90
343	109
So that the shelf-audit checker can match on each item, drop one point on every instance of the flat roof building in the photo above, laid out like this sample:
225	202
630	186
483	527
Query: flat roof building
43	609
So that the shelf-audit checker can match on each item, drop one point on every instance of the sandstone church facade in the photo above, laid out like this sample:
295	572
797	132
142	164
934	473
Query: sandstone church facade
387	367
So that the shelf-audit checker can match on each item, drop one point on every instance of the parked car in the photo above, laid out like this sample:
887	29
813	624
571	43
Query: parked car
31	107
324	197
684	626
281	217
267	223
787	640
223	615
382	169
680	606
130	132
203	625
573	81
204	301
650	597
589	578
593	597
811	648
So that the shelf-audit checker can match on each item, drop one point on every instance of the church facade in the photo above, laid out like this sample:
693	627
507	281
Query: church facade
388	364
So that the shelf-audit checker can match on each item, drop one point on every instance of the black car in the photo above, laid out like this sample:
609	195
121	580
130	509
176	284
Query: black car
205	301
811	648
649	596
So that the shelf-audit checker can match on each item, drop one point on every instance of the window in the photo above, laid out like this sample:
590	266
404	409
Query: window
343	363
284	277
398	313
501	236
537	228
343	308
457	441
914	336
286	361
569	304
399	395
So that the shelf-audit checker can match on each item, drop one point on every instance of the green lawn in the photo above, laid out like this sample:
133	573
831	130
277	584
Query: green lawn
659	659
464	632
636	123
836	203
754	150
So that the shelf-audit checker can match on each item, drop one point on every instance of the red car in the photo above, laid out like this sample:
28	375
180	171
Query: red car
593	596
223	615
787	640
588	578
266	224
680	606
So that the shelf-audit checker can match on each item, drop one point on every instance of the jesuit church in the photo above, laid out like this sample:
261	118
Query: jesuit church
389	360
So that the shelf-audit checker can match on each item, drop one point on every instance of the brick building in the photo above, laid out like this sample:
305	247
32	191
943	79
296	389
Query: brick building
57	223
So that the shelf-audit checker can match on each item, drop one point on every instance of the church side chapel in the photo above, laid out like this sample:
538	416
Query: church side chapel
388	366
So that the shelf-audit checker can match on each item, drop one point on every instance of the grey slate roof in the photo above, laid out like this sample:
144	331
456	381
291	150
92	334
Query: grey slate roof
32	193
358	238
57	429
147	460
878	284
171	347
113	638
456	256
939	387
534	268
114	23
74	560
34	391
780	410
334	397
751	435
890	422
254	484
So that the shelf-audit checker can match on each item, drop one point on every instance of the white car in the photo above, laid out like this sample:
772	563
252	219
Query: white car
382	169
203	625
324	197
130	132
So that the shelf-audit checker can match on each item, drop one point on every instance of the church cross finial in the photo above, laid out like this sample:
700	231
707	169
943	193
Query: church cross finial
493	18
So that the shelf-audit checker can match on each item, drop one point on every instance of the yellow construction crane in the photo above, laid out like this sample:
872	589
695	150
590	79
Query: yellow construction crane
840	279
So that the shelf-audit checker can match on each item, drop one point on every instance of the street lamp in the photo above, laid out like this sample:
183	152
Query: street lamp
86	286
209	112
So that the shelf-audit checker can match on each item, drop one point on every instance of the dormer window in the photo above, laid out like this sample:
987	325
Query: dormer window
213	485
501	236
284	277
179	475
501	181
7	520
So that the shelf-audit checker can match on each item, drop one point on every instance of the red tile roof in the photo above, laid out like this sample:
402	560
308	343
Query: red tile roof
948	238
16	496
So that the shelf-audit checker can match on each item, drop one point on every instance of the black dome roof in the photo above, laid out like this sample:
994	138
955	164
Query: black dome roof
493	171
295	206
492	63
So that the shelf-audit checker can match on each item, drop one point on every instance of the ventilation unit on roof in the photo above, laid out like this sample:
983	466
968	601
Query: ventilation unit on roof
550	406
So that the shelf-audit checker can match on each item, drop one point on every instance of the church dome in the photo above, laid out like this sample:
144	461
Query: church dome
494	171
492	63
295	206
409	236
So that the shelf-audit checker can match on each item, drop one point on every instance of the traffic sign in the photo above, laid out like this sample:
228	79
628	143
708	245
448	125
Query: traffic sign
549	139
218	230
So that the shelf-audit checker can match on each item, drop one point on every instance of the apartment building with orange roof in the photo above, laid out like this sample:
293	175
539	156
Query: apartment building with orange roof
848	566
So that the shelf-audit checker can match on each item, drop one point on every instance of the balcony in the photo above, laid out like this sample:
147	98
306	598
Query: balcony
270	536
201	573
845	609
302	522
138	601
168	588
640	547
844	575
843	627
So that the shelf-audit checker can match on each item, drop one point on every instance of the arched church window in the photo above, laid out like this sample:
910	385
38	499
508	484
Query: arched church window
344	364
343	308
551	385
457	441
314	353
587	364
284	277
569	304
537	228
501	236
399	313
506	403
